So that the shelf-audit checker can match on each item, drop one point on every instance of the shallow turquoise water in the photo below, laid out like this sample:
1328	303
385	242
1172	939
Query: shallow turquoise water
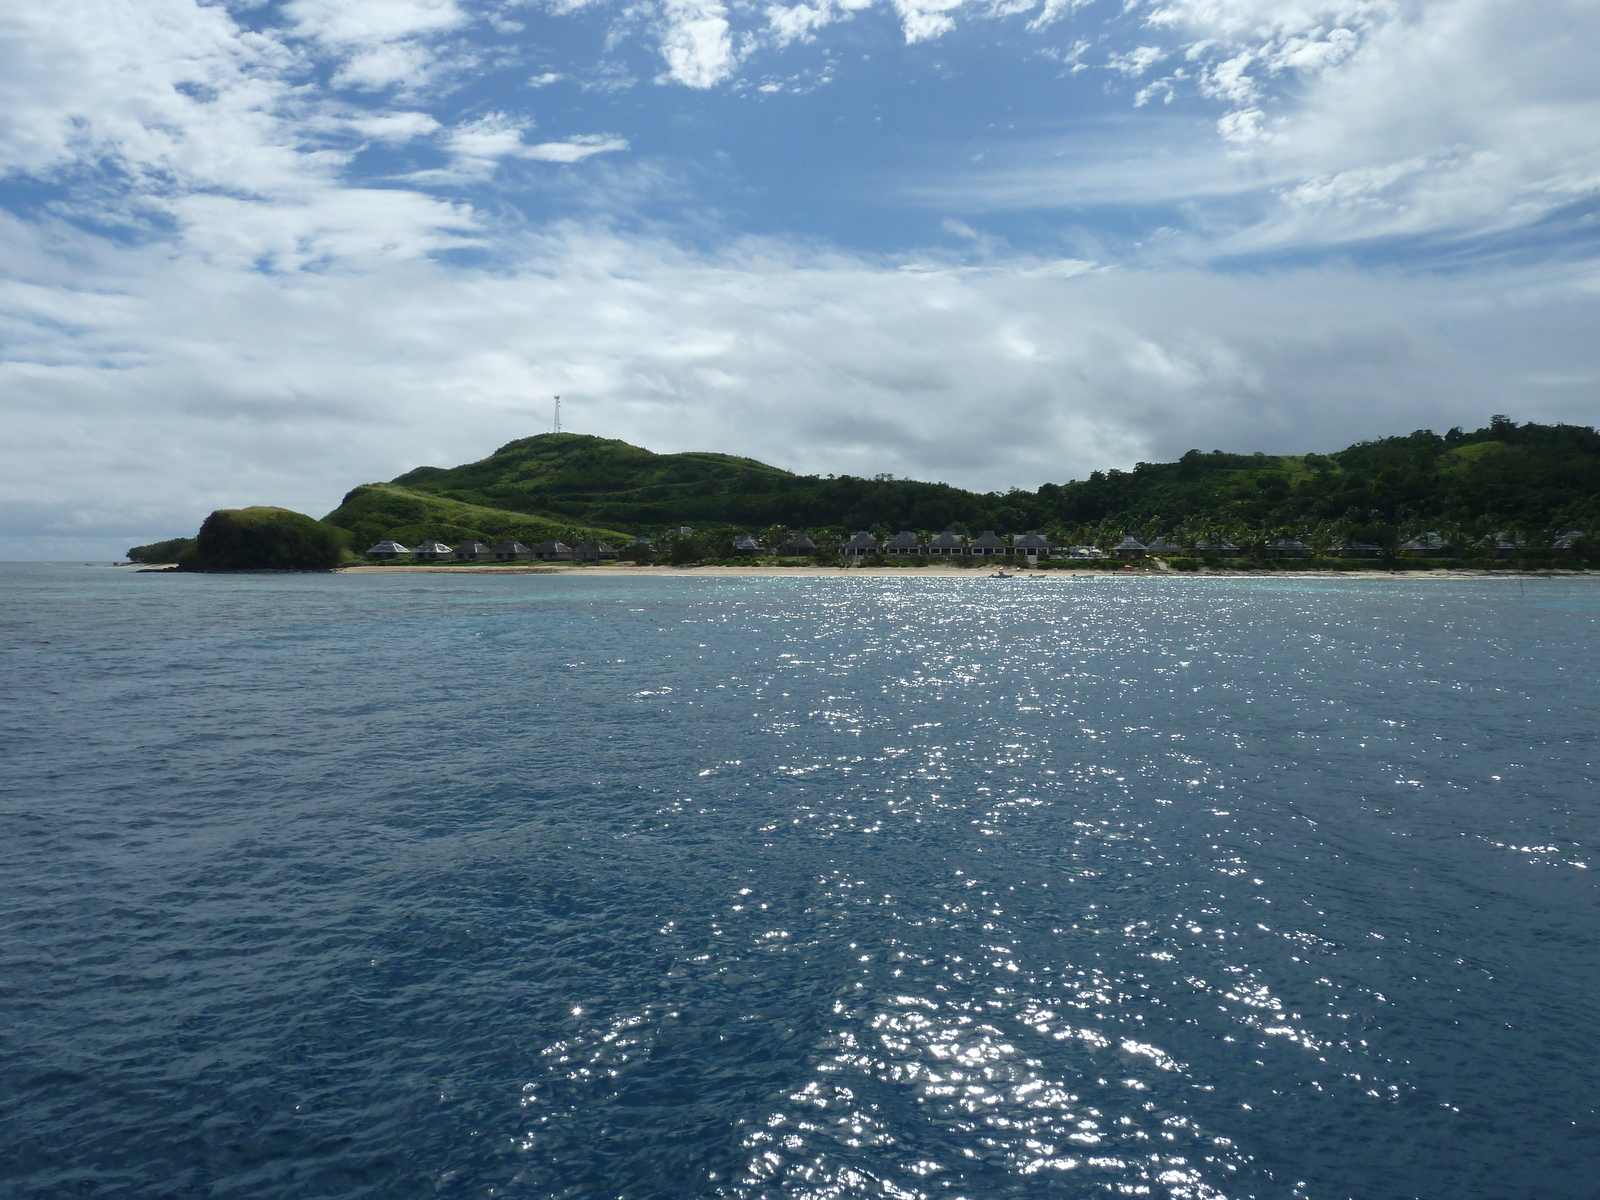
584	887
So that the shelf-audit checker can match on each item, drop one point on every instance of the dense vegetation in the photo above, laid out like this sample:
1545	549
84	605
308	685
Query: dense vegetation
1529	480
265	539
160	552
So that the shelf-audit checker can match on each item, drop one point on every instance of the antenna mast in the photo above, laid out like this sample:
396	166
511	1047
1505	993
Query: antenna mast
558	414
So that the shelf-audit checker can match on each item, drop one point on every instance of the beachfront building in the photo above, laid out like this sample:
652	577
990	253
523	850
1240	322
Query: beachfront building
553	550
1129	547
432	552
509	550
902	544
1356	550
1424	545
388	550
861	545
1287	548
988	543
948	543
472	551
1568	542
1163	546
747	546
1031	544
1222	546
1505	545
593	551
797	545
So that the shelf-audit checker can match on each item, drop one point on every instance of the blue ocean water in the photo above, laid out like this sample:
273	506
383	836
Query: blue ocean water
557	886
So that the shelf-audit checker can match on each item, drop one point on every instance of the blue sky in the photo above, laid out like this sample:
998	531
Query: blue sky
260	252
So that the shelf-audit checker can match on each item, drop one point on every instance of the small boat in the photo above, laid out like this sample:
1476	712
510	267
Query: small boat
1001	574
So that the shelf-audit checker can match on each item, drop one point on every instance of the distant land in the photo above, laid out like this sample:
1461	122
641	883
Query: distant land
1528	480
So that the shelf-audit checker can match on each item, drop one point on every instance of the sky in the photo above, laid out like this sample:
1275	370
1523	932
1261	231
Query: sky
261	252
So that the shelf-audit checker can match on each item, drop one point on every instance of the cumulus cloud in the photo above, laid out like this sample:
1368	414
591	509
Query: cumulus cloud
695	42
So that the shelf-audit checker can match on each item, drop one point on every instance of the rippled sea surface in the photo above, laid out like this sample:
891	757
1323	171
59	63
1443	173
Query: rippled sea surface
554	886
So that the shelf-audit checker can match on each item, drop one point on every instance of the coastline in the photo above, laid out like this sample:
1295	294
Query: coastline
939	572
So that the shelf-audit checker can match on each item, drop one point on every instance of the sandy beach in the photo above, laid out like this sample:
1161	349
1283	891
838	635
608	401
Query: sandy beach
944	572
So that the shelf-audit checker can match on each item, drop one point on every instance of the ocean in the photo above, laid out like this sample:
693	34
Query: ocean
631	888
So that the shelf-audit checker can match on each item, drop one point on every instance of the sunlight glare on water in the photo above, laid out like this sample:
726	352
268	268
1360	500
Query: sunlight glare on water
907	887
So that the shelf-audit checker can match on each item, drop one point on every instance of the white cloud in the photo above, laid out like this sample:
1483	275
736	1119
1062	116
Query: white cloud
478	147
383	43
371	22
394	127
1138	60
168	89
695	42
925	19
576	149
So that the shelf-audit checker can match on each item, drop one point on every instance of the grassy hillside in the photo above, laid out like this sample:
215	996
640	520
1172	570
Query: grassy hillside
1529	478
389	510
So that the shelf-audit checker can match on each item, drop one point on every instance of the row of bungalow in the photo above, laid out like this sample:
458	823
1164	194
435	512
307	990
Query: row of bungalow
508	550
905	544
1032	546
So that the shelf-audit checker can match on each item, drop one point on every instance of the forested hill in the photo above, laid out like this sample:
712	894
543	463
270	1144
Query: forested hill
1531	478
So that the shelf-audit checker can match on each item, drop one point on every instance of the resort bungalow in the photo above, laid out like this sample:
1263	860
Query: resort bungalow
948	543
472	551
1287	548
551	550
988	543
860	546
1031	544
747	546
507	550
1356	550
593	551
1129	547
432	552
388	550
1162	546
1568	542
1223	547
1424	545
1504	545
903	543
797	546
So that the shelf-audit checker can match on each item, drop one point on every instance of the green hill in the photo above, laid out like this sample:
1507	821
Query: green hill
1528	478
376	511
262	538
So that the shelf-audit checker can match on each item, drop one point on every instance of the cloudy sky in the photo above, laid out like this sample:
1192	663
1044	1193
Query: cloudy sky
257	252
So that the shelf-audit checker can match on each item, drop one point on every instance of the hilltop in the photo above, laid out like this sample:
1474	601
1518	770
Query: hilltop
1527	478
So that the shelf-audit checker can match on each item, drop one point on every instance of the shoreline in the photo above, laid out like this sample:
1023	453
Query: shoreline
938	572
941	572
